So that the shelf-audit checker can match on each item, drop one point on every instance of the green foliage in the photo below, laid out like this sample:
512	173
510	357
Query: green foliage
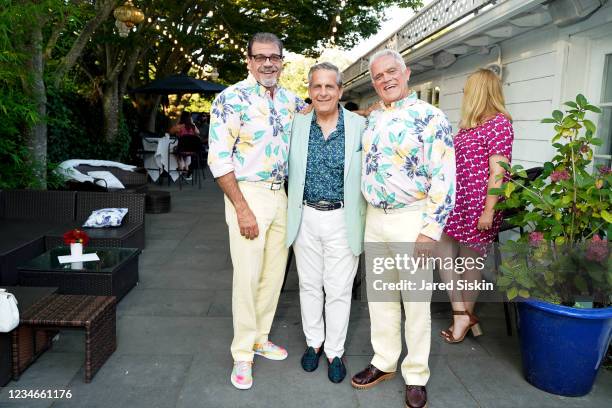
304	26
74	130
16	110
198	103
295	74
74	116
560	274
296	67
567	212
15	173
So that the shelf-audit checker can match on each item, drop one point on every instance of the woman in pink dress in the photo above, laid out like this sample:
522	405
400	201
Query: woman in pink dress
484	139
184	127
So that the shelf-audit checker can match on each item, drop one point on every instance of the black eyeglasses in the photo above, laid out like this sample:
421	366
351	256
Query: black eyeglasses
260	58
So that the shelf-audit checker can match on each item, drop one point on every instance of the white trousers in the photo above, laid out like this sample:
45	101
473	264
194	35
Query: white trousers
326	270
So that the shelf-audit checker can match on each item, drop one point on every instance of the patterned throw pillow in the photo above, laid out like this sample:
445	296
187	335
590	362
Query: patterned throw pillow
106	217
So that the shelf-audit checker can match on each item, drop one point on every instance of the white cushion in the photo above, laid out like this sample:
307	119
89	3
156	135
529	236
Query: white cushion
106	217
68	171
111	180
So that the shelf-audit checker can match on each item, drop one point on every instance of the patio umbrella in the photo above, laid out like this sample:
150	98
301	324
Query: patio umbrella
179	84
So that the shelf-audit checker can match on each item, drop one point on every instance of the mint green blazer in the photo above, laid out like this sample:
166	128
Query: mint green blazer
354	203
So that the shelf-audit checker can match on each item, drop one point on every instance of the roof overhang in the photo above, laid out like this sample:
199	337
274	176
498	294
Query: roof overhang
480	29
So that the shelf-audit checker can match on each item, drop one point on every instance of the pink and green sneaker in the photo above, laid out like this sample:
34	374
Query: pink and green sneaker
242	375
270	351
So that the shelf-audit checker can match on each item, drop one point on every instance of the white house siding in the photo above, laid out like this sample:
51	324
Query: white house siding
541	69
529	79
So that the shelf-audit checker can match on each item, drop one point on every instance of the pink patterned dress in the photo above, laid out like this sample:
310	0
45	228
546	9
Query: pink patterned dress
473	148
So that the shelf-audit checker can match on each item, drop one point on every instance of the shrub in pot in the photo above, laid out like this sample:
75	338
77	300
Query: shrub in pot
559	270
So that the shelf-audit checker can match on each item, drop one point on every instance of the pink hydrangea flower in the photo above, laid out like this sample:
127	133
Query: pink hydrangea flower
536	238
604	170
597	249
559	175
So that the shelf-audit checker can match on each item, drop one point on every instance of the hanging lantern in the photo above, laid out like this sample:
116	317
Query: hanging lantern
127	16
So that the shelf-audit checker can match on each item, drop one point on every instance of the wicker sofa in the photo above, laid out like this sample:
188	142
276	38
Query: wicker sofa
25	217
131	234
34	221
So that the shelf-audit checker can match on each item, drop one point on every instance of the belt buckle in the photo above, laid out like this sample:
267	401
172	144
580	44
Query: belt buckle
323	205
276	185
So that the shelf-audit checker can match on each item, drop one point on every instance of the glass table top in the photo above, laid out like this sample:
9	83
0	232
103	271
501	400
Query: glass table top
110	259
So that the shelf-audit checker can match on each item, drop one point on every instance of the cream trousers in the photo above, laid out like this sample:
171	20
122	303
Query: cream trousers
382	228
259	266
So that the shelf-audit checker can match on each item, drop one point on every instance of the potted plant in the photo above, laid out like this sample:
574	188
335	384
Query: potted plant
559	269
76	238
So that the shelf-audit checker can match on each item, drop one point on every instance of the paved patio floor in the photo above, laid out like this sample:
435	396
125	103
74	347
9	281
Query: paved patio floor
174	330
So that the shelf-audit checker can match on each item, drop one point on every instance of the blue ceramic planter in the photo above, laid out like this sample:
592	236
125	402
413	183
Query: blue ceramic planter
562	347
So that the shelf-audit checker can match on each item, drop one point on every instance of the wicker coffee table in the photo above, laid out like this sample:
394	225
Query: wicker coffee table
30	343
94	314
113	275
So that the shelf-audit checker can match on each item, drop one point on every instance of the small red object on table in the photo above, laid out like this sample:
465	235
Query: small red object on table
76	236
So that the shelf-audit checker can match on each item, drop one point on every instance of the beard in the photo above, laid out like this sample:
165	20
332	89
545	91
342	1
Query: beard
268	82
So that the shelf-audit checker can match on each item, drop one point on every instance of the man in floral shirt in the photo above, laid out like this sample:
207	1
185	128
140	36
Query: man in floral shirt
248	150
408	180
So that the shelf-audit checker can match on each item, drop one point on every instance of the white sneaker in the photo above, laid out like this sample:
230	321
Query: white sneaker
242	375
270	351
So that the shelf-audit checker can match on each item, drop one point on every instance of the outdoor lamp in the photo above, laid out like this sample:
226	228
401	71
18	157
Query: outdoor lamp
127	16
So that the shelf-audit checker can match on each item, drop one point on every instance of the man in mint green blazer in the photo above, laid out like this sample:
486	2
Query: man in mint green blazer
325	216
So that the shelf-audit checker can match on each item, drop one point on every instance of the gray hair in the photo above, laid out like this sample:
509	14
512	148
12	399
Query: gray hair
387	53
326	66
264	38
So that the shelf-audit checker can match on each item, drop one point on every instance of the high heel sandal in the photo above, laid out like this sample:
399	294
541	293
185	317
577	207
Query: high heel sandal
474	326
445	333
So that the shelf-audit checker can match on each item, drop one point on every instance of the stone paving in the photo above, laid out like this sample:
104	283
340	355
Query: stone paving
174	330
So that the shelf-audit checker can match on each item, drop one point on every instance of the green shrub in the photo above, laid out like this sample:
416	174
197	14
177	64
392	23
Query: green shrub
567	215
75	130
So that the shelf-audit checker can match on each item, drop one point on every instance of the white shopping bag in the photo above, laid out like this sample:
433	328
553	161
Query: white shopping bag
9	314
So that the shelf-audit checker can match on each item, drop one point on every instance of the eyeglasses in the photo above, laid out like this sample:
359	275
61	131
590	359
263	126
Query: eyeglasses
260	58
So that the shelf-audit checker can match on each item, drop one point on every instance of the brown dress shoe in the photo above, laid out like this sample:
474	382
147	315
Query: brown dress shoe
416	396
369	377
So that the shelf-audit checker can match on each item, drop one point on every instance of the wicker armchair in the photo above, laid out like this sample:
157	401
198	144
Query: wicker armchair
25	217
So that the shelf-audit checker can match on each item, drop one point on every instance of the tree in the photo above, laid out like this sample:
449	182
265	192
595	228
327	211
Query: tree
17	111
216	34
31	33
295	72
55	42
296	67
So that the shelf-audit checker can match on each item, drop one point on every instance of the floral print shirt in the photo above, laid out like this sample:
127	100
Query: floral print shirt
250	131
408	155
325	163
